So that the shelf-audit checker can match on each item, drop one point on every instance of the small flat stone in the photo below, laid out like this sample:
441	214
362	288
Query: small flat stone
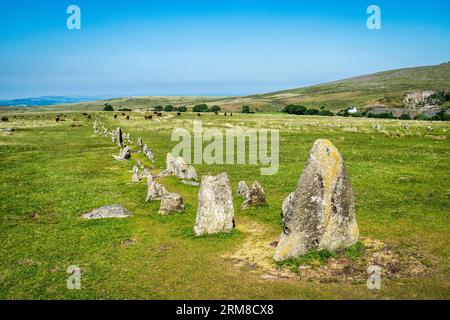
110	211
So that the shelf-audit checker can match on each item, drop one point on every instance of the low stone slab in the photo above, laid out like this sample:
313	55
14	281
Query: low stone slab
255	197
110	211
190	183
171	202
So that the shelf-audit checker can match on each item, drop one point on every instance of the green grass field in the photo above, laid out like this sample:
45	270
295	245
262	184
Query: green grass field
54	172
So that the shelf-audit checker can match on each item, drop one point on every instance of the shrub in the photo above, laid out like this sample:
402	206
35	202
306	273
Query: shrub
421	117
246	109
343	113
295	109
159	108
125	109
108	107
169	108
200	108
181	109
405	116
384	115
326	113
215	108
312	112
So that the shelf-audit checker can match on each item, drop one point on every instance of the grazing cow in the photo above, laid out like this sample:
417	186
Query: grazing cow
199	115
89	116
231	114
123	114
225	114
128	117
85	114
57	119
178	114
115	116
159	114
5	119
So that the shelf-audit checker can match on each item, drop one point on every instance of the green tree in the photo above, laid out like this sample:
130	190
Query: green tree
200	108
159	108
215	108
181	109
246	109
169	108
108	107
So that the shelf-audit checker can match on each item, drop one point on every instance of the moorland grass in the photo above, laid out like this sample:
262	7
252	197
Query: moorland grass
53	172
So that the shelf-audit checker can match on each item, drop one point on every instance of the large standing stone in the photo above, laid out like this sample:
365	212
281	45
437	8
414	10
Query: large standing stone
320	214
242	189
215	212
119	138
113	211
171	202
124	154
139	144
255	197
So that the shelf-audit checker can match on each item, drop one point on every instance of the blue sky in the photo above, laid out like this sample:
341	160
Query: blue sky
209	47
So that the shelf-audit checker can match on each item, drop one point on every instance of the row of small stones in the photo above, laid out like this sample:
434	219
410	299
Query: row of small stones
172	202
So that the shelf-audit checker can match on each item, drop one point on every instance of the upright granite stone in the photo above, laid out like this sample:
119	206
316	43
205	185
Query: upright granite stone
178	167
124	154
139	144
136	177
320	214
155	190
242	189
119	138
171	202
255	197
215	212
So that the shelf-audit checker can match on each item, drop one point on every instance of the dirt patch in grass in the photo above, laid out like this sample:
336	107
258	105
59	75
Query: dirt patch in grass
350	265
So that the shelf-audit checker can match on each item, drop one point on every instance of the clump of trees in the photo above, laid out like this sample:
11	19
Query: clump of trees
204	108
200	108
108	107
246	109
302	110
125	109
170	108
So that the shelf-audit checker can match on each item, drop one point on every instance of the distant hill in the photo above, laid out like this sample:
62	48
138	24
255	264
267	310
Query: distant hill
42	101
379	89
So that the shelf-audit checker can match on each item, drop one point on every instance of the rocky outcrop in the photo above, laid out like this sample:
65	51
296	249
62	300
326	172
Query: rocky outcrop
418	99
215	212
320	214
